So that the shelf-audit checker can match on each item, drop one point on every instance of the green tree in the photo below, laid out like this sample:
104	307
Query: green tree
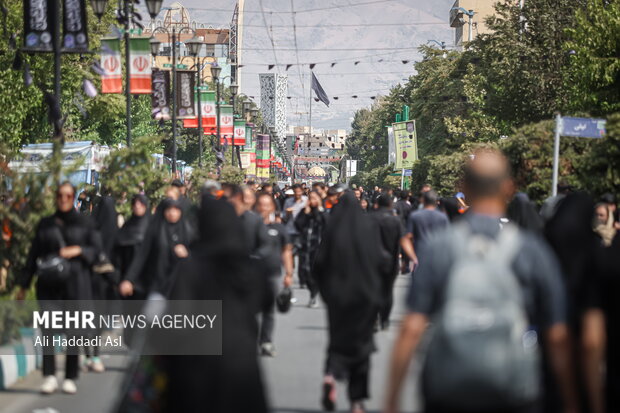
599	169
530	151
593	78
132	170
523	59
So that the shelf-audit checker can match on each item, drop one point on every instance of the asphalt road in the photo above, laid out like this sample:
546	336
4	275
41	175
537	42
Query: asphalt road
293	377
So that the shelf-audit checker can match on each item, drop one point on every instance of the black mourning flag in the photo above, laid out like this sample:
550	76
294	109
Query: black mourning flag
318	89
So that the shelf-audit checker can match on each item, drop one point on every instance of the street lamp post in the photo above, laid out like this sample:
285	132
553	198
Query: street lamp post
172	37
233	92
442	45
194	45
153	7
470	14
215	74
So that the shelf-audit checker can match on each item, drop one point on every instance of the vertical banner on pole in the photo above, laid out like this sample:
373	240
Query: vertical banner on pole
160	103
226	124
239	133
75	31
111	80
391	145
406	144
38	26
184	104
140	67
248	162
248	137
262	156
207	101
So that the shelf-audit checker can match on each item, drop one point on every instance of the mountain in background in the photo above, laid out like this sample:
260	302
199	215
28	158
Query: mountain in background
381	25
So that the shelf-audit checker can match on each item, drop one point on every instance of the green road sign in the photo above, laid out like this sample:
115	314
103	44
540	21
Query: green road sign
179	66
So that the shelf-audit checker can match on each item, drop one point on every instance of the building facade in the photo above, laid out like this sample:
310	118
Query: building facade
215	49
461	22
273	92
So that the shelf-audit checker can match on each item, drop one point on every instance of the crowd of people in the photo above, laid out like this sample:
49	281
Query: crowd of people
519	303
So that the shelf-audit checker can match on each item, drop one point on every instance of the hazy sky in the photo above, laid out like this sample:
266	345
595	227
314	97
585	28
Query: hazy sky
379	34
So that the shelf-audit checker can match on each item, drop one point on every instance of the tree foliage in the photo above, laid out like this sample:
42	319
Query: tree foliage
132	170
544	58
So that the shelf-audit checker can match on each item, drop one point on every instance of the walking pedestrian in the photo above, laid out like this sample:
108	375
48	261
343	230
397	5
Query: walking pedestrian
255	232
280	254
164	246
310	223
486	291
348	269
218	268
105	276
70	236
425	222
131	235
581	256
394	239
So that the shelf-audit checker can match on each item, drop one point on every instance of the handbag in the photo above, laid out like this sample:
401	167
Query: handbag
54	269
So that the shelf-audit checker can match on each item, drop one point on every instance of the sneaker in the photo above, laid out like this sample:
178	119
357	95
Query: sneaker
69	387
96	365
313	303
357	407
267	349
87	364
50	385
329	394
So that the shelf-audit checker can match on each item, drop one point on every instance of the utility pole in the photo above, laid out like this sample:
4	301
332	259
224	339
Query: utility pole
127	72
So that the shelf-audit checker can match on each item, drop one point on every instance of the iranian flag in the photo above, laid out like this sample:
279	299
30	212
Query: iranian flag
207	103
111	80
239	133
226	124
140	67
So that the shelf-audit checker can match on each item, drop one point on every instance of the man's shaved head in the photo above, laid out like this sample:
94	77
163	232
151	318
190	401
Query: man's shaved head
487	174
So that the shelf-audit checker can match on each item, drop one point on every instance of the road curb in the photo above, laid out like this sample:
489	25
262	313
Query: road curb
18	360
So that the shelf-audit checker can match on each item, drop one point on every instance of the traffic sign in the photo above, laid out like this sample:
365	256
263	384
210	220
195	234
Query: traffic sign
583	127
179	66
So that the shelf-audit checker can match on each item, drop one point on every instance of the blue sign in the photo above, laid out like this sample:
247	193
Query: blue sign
407	172
583	127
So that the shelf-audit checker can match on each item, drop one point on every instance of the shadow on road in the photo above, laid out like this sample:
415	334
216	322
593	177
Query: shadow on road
21	391
321	328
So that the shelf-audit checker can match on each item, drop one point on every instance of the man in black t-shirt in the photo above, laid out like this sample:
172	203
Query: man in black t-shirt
279	254
393	238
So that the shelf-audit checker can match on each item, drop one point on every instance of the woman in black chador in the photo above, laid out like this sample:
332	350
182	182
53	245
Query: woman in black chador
348	270
165	245
219	269
131	235
71	236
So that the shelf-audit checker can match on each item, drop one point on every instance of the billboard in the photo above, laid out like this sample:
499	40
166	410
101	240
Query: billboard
406	144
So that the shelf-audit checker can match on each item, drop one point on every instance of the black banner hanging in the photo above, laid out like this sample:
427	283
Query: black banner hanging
75	30
38	26
160	102
184	104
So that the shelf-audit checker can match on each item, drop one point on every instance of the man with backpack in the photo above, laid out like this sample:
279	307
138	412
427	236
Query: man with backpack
495	299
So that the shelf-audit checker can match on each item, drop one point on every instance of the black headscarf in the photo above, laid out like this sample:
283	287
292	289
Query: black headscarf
450	207
70	217
522	212
134	229
105	217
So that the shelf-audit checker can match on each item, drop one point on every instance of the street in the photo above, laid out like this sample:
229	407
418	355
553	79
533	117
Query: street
293	377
